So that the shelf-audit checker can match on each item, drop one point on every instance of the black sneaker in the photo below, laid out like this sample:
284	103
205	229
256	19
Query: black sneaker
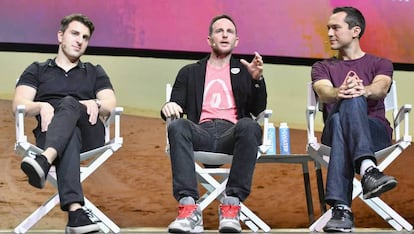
80	222
36	170
374	183
342	220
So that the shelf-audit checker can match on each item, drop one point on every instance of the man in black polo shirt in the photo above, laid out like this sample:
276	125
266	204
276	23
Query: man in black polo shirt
66	96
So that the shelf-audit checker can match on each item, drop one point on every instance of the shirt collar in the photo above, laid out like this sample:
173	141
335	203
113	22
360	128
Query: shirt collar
52	63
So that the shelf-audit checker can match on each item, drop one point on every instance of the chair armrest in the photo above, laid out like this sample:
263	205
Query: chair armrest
402	115
310	120
19	116
264	116
114	118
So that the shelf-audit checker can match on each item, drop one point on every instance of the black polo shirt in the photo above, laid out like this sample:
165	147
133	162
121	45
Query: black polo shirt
53	83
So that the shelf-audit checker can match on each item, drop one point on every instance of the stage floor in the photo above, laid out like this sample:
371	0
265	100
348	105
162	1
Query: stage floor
150	230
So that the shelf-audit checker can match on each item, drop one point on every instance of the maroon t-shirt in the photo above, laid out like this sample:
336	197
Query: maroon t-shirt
366	67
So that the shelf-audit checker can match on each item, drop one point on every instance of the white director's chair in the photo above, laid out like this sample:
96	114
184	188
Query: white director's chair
95	157
214	179
385	157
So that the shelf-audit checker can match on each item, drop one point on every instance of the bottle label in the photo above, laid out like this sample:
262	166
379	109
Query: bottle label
272	138
284	140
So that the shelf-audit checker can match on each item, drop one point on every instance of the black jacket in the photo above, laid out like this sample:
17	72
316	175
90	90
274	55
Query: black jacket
188	90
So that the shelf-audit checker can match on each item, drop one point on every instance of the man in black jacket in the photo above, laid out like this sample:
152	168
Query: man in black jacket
218	94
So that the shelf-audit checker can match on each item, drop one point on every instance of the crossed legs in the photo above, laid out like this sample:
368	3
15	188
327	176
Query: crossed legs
353	137
69	133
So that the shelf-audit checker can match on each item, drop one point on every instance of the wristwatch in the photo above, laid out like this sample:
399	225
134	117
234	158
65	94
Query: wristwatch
98	103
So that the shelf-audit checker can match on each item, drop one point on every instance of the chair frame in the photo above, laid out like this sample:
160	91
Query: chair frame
320	153
214	180
97	157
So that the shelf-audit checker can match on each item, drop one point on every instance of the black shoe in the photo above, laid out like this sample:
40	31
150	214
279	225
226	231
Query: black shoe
374	183
36	170
80	222
342	220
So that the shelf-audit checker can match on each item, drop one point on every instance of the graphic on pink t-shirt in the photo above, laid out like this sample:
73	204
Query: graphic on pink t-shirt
218	100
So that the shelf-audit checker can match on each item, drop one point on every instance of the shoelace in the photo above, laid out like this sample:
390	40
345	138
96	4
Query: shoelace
229	211
90	215
338	212
185	211
373	173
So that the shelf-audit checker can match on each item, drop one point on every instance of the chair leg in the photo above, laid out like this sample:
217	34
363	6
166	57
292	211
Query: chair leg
380	207
252	220
38	214
215	190
108	224
318	225
388	214
308	192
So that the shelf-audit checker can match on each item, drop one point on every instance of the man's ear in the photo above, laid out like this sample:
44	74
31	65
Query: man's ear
356	31
236	42
210	42
59	36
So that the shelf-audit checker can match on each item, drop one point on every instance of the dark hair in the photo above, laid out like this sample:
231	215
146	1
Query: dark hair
210	31
64	23
353	17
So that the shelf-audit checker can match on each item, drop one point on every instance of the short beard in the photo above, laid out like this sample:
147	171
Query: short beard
219	53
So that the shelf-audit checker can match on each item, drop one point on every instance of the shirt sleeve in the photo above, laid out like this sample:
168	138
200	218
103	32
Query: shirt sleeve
102	80
319	72
29	76
384	67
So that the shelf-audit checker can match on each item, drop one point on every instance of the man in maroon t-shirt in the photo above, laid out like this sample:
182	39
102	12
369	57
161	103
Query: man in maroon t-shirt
352	87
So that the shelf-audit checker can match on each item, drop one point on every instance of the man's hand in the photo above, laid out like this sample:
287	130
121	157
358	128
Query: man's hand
172	110
92	110
46	115
255	67
351	87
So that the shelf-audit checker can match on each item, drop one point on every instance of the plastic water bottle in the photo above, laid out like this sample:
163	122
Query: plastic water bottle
284	138
271	133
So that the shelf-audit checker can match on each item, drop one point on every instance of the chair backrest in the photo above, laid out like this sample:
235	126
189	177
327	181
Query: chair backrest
390	103
390	100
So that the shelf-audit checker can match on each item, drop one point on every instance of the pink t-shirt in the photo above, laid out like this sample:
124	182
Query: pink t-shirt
218	100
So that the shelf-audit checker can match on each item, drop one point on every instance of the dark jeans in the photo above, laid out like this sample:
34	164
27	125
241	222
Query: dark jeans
70	133
241	139
353	136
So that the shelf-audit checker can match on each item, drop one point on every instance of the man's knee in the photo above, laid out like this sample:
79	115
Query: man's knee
178	125
69	100
355	103
70	103
248	125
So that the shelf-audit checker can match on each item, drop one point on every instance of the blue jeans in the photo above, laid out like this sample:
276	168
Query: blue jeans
353	137
70	133
241	140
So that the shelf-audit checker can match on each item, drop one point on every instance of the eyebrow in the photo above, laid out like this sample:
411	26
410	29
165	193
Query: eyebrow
333	25
85	36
